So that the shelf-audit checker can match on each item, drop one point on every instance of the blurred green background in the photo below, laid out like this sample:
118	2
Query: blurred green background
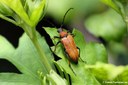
96	21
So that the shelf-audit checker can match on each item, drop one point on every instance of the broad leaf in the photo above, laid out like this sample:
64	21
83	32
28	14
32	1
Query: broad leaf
79	75
17	79
25	57
94	52
26	51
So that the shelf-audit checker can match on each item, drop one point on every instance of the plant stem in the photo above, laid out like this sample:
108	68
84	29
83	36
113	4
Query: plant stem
31	32
40	51
8	19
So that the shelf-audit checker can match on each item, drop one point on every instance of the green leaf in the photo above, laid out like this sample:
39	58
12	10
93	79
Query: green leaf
112	4
26	57
28	11
37	12
6	48
118	5
7	52
5	10
52	32
77	72
94	52
17	7
90	52
108	25
17	79
56	79
26	51
109	72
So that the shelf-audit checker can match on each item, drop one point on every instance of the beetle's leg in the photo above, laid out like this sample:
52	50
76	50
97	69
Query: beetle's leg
79	50
56	45
69	61
73	35
56	37
66	54
79	55
68	31
71	67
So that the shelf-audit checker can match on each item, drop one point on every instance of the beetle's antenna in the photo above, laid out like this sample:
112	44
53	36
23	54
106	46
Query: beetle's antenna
64	17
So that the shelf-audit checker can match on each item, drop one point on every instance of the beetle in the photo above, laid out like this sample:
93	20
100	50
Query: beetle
69	45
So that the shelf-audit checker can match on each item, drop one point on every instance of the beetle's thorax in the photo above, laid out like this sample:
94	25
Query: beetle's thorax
63	34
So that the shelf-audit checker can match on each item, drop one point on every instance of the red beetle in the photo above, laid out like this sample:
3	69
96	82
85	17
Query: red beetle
67	40
70	47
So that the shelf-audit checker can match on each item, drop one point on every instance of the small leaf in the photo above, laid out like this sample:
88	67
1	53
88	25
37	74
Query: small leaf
52	32
55	79
37	12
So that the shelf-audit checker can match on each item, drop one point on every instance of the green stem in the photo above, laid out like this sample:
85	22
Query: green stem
8	19
31	32
40	51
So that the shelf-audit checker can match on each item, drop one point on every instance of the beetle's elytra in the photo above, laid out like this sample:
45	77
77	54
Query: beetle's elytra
70	47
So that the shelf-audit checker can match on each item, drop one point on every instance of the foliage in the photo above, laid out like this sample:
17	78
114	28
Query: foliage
34	58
